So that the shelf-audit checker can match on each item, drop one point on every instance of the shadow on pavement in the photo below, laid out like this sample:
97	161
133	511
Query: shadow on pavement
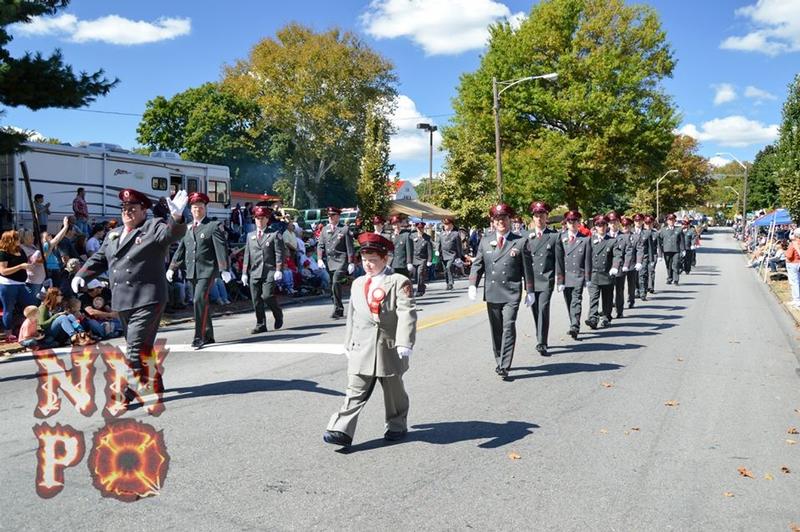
566	368
244	386
448	432
339	323
658	316
667	307
698	284
261	337
675	298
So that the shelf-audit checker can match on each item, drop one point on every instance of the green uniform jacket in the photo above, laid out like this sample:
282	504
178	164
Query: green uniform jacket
202	250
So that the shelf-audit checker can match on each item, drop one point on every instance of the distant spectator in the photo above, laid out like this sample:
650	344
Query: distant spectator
81	211
80	246
14	269
42	211
52	255
70	268
237	219
793	267
161	209
66	248
59	324
93	244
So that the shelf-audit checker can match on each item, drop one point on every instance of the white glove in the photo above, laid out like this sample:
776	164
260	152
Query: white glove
178	203
530	298
659	259
226	276
683	253
613	271
624	269
638	266
320	263
437	253
244	279
472	293
588	284
458	263
77	283
278	275
351	268
693	247
170	275
409	267
404	352
560	288
428	264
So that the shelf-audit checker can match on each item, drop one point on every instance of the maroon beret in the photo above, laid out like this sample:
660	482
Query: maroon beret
671	216
648	218
262	211
626	221
375	242
420	225
129	195
378	219
501	209
600	220
538	207
612	216
334	210
448	220
638	217
572	216
396	218
198	197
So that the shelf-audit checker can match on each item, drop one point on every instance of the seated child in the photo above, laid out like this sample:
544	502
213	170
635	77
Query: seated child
108	319
29	334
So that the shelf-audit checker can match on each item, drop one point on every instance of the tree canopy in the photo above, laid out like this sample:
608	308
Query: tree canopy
789	151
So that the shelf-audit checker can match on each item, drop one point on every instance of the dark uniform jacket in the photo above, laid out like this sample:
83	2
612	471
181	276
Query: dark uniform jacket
335	247
623	242
577	260
135	265
403	250
655	243
547	259
648	245
202	250
423	248
638	243
505	269
670	240
449	246
689	238
605	255
264	255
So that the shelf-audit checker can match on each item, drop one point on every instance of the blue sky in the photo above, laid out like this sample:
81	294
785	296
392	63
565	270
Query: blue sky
735	59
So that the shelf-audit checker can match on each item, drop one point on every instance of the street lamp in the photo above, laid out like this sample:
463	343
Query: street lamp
738	196
430	129
658	182
744	196
505	85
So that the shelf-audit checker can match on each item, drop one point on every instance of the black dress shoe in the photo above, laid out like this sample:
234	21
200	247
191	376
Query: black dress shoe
669	282
652	291
197	343
337	314
502	373
573	331
644	297
278	322
542	349
334	437
258	329
619	315
394	435
592	324
676	283
604	324
630	304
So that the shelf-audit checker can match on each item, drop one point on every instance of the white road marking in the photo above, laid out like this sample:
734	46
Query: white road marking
234	347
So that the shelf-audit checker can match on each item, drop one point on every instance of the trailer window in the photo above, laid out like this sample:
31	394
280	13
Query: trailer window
159	183
218	191
191	185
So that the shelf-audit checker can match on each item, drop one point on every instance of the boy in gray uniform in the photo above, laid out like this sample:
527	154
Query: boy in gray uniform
335	251
636	251
449	250
577	269
504	261
422	256
670	243
655	251
403	257
262	267
623	243
642	236
606	259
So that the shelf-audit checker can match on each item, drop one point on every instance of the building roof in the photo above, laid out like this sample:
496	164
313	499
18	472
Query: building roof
399	184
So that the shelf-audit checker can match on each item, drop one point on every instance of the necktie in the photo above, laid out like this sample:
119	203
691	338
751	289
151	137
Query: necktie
571	239
538	234
366	288
500	241
259	234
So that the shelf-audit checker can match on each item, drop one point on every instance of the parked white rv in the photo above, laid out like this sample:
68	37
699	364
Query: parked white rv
103	170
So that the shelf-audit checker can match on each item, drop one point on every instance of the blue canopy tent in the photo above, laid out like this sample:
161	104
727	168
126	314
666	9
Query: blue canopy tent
778	217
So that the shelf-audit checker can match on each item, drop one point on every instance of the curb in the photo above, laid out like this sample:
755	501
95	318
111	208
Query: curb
166	322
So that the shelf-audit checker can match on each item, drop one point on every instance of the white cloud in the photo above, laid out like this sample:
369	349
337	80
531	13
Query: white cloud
33	135
717	161
440	26
776	28
758	94
735	131
409	142
111	29
724	93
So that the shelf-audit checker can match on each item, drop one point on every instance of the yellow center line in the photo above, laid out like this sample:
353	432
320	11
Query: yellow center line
439	319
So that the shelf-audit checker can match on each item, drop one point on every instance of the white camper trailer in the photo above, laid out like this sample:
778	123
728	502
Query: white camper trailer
103	170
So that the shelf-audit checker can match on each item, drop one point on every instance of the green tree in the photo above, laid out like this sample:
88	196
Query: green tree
763	180
579	140
690	186
720	196
373	184
214	126
316	88
789	151
35	81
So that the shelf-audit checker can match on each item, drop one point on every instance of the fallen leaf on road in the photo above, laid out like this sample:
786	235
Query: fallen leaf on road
671	403
680	359
514	455
635	428
785	470
797	410
745	472
607	384
734	342
728	494
767	476
603	431
794	527
791	442
792	430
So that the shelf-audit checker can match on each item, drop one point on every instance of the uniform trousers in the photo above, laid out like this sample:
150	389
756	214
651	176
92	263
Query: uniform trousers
644	278
607	293
420	273
632	278
337	277
403	271
262	292
673	261
449	273
503	322
359	389
651	275
573	295
140	326
541	314
688	261
619	292
203	329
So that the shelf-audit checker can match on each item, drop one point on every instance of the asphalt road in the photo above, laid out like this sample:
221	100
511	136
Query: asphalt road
583	440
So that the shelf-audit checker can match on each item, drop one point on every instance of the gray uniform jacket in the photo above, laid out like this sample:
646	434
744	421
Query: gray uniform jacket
202	250
263	256
605	255
504	269
449	246
623	242
655	243
638	243
423	248
649	245
689	237
335	247
136	265
577	260
371	341
547	259
403	250
670	240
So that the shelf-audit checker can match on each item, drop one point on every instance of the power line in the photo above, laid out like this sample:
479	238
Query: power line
120	113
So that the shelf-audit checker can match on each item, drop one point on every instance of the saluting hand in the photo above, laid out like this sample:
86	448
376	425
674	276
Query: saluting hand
244	279
77	283
472	293
177	204
351	268
278	275
170	275
530	298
